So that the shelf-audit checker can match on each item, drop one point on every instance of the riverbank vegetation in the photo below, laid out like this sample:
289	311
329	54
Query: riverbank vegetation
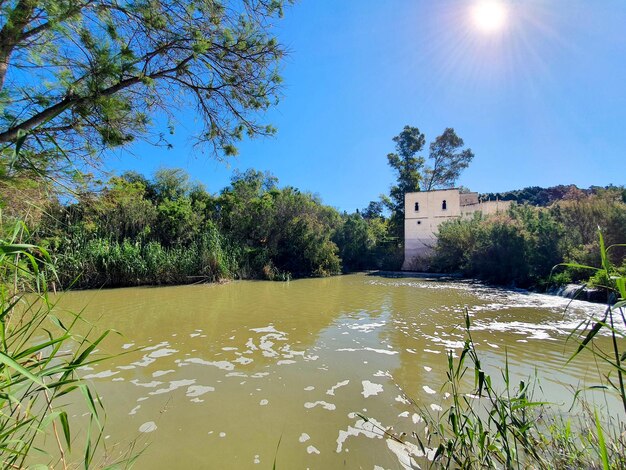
520	246
40	355
166	230
134	230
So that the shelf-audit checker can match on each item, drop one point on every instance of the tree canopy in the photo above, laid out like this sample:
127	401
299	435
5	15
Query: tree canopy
448	158
79	76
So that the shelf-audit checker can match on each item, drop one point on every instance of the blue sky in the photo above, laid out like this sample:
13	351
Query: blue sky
541	102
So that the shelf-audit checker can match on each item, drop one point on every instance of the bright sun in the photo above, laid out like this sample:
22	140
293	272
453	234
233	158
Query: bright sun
489	15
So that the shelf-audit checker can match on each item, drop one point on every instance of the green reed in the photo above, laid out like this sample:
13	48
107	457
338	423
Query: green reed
40	354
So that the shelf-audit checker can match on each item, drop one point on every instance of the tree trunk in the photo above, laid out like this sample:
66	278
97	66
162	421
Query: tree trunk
11	33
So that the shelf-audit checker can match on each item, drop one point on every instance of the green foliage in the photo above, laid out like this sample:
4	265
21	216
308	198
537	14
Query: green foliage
614	281
78	77
364	243
168	230
522	245
583	215
535	195
518	247
282	231
36	371
448	161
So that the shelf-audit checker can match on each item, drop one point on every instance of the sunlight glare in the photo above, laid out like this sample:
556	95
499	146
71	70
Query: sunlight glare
489	15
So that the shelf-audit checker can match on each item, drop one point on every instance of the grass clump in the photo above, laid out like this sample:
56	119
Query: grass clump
39	357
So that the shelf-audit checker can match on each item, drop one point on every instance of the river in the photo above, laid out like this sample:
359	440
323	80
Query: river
243	374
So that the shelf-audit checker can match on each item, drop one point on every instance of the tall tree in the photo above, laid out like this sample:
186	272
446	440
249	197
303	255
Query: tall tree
407	165
449	159
79	76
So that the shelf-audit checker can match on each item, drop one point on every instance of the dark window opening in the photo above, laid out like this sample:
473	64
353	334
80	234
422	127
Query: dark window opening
444	206
419	222
417	207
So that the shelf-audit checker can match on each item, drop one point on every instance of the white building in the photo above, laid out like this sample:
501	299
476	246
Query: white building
423	213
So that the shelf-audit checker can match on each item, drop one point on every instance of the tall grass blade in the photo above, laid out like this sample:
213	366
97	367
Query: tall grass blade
9	362
601	443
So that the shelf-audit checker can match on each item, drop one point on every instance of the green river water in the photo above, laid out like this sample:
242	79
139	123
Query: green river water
214	376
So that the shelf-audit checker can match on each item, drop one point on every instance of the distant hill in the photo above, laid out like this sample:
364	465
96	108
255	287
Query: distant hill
538	196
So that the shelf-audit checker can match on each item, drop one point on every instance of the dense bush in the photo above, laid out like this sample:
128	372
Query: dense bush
137	231
522	245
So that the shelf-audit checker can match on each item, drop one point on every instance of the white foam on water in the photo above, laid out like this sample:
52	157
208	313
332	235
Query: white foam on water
405	451
153	384
263	402
244	360
381	373
367	327
223	365
429	390
403	400
266	329
143	362
162	344
149	426
164	352
368	429
198	390
304	437
309	388
101	375
285	362
134	410
435	407
370	388
160	373
323	404
237	374
331	390
312	450
127	345
428	369
404	414
379	351
174	384
540	334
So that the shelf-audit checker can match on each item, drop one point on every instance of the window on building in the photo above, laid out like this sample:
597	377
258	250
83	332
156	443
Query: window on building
444	205
417	207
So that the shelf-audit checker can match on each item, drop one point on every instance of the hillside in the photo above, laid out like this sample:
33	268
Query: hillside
538	196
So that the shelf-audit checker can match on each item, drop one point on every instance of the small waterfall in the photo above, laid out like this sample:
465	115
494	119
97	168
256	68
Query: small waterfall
580	292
